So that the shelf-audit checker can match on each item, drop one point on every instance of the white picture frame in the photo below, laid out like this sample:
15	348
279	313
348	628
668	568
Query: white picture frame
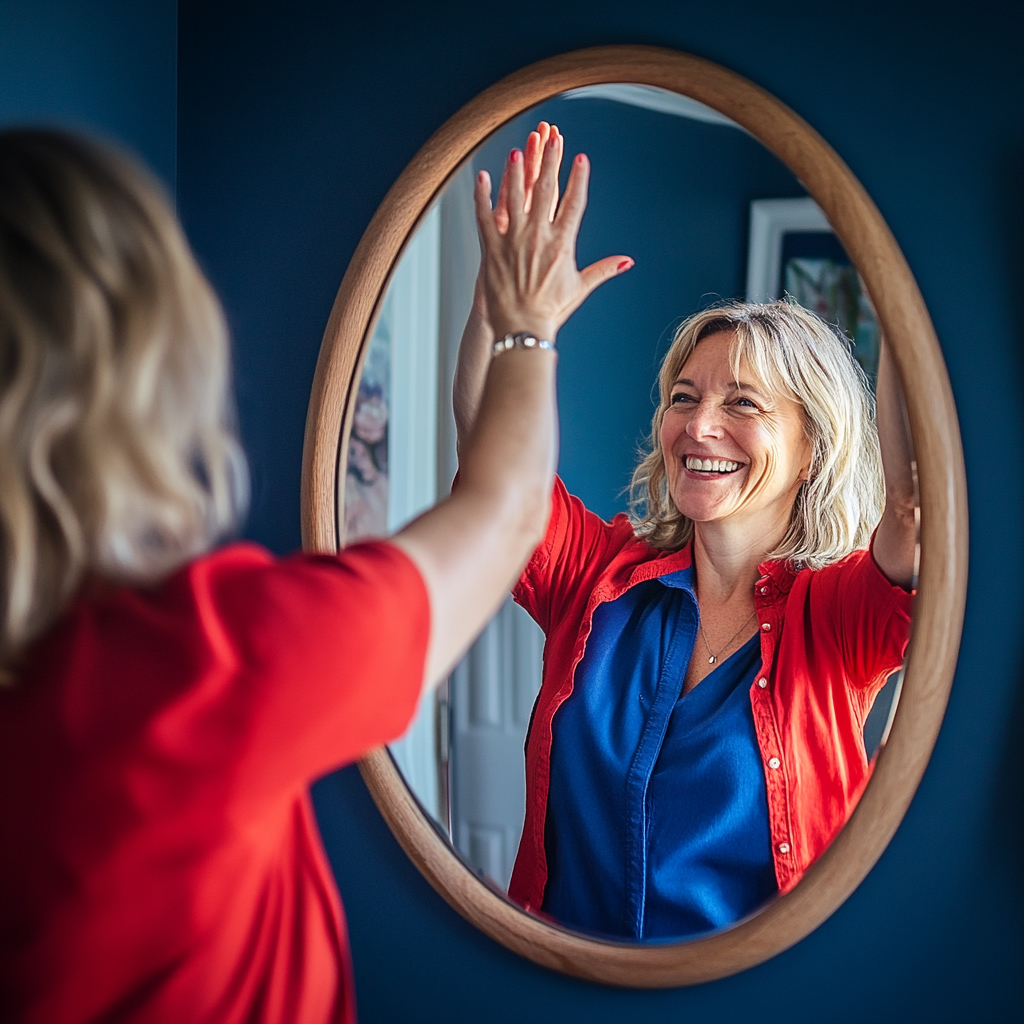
770	220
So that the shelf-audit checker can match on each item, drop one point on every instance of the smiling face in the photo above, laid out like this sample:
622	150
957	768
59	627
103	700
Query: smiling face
732	450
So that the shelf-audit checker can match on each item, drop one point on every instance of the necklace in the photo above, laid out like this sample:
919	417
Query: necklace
712	657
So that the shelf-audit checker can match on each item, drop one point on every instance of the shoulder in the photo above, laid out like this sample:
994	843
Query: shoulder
852	582
241	589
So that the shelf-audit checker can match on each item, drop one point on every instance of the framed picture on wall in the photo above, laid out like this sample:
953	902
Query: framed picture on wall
794	252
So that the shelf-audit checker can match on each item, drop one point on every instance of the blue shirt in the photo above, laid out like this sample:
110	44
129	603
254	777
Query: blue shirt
657	823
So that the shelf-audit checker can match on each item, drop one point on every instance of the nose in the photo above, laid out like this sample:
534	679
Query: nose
705	421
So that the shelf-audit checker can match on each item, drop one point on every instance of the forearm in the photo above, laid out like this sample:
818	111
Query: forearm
895	541
894	434
471	371
471	548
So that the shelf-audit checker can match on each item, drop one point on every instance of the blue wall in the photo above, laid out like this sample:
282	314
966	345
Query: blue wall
294	120
106	66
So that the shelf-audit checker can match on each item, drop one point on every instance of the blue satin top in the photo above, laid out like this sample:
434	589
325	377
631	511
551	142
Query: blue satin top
657	822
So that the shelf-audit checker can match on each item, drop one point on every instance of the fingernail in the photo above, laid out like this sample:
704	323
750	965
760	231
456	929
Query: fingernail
553	142
514	156
580	158
625	265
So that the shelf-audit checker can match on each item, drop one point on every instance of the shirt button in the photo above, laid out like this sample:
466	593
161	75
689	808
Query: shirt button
774	762
762	682
766	626
764	590
783	847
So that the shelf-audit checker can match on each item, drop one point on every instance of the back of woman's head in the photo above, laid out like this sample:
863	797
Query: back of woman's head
791	352
118	457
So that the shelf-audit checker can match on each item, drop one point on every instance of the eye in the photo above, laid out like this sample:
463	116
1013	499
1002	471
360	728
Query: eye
746	403
682	398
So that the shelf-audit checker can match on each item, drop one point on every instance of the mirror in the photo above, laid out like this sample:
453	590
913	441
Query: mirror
709	212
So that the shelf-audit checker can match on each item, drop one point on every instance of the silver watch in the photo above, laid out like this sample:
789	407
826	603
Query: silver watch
521	340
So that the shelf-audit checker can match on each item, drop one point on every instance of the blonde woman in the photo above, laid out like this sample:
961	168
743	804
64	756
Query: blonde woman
164	704
710	662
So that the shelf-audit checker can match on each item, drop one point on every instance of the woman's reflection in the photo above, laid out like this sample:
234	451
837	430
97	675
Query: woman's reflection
710	661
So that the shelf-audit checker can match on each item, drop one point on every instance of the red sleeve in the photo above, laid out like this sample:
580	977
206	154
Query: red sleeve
330	653
577	547
871	618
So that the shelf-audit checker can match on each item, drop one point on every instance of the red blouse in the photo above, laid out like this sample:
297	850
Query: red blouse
160	861
829	640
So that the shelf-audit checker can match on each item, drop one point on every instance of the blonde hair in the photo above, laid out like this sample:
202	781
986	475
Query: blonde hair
118	454
791	352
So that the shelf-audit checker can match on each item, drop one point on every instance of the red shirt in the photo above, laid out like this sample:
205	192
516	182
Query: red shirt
160	861
829	640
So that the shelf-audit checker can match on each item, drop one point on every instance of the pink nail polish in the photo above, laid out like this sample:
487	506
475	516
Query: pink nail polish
580	158
625	265
514	156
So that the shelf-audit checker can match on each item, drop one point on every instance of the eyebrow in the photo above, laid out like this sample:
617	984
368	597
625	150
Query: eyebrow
736	385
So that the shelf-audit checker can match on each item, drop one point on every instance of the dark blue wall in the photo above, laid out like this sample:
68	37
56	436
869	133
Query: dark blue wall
106	66
295	119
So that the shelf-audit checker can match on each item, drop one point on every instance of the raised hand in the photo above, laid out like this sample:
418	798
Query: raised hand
532	157
528	276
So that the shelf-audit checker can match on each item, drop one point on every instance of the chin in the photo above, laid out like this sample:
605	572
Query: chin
699	511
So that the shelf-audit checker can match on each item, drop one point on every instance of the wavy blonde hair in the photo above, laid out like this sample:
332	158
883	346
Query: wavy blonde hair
118	453
794	353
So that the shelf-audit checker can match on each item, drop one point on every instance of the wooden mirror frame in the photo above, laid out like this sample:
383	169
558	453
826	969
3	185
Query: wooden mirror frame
939	607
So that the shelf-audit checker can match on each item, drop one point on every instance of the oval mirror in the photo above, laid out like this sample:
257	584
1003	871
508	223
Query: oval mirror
719	192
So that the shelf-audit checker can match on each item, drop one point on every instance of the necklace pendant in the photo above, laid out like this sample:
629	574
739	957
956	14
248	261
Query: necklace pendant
711	660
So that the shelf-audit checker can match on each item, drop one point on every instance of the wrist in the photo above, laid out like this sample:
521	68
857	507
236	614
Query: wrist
540	327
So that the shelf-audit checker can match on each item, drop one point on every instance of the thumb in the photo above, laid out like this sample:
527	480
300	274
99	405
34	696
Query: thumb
603	270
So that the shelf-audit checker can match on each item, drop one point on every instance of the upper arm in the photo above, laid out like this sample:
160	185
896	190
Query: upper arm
871	616
894	546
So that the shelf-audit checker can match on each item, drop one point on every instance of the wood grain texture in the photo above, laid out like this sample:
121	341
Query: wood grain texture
938	613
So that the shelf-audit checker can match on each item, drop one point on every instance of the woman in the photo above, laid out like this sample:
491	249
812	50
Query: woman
709	664
166	705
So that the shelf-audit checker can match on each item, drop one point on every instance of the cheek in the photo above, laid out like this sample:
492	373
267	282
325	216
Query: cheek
671	427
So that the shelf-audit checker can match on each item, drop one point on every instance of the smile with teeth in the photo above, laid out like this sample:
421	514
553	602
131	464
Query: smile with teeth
710	465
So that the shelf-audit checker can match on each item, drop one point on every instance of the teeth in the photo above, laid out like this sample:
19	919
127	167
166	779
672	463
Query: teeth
710	465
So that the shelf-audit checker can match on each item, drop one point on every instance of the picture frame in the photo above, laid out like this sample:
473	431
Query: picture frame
794	252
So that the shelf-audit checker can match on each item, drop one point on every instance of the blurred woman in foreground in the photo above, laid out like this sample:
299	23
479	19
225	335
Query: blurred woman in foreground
166	703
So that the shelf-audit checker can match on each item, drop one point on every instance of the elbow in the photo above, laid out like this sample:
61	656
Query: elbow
901	507
536	513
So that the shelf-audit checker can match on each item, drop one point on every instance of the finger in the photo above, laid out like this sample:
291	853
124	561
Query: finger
516	188
547	183
604	270
485	219
574	202
542	131
534	157
561	150
501	206
531	163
